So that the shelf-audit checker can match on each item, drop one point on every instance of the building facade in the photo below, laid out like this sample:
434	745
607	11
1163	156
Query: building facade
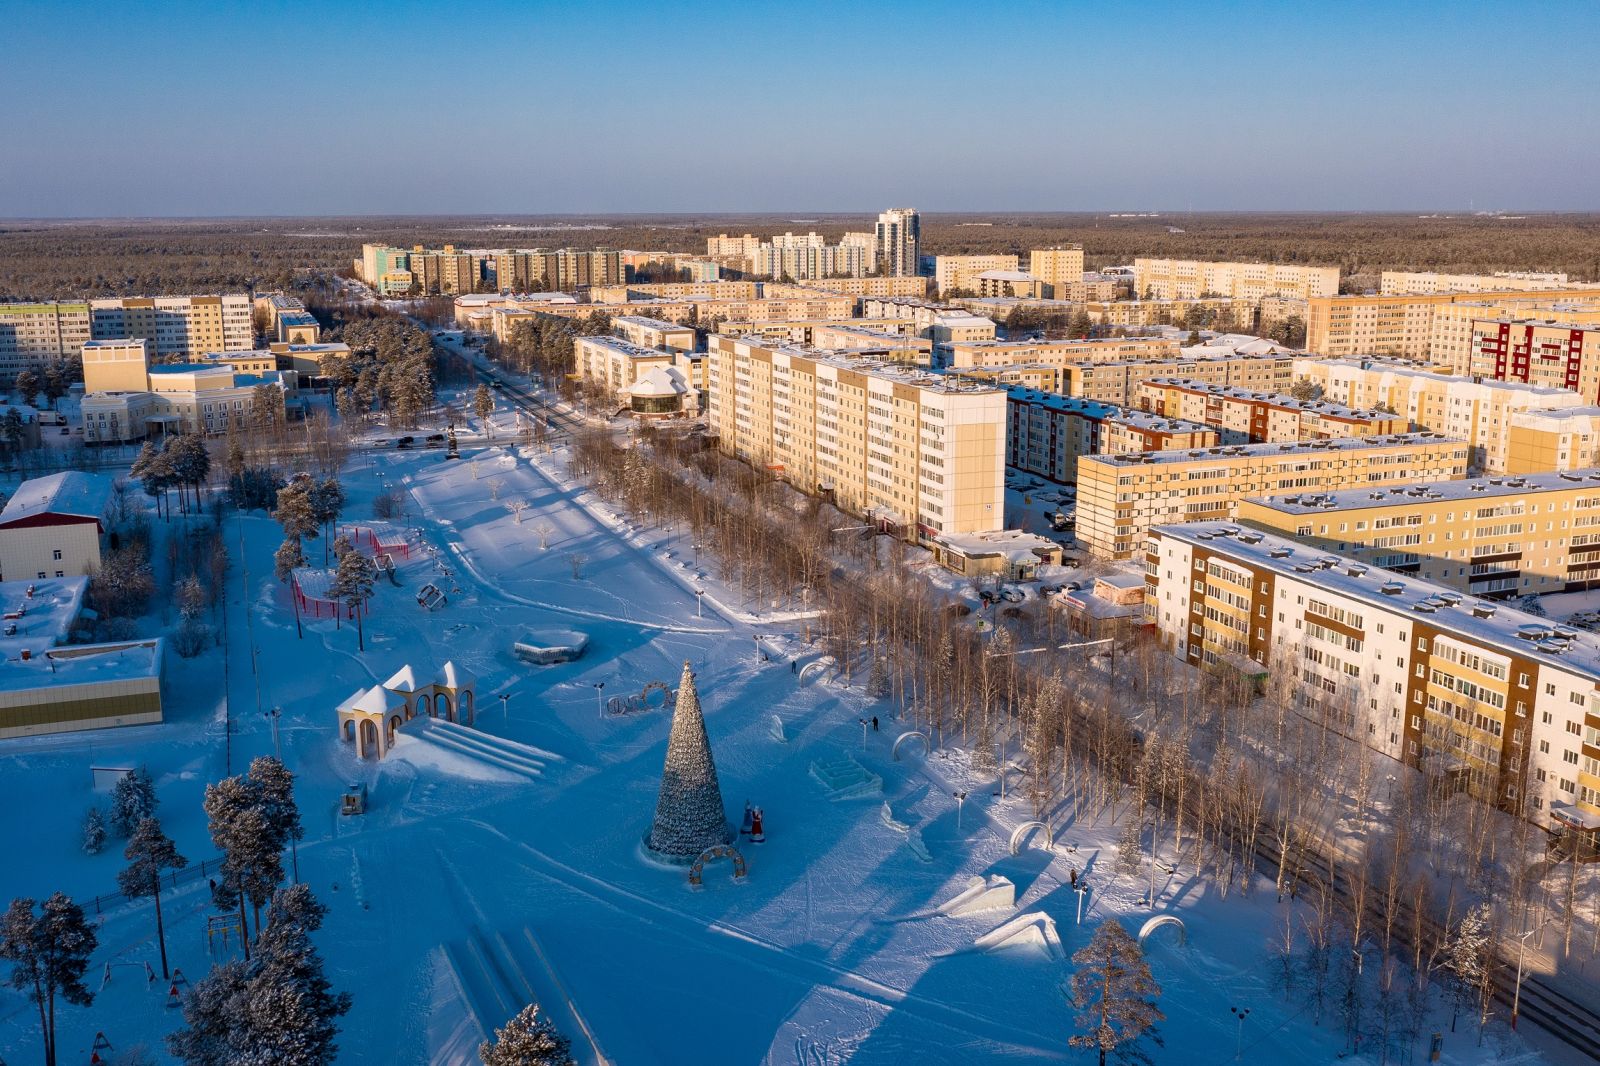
1481	698
1402	326
1118	382
1492	537
52	526
1553	354
35	334
1059	269
898	241
177	327
1403	282
1243	416
1047	433
1120	497
1188	279
953	272
907	447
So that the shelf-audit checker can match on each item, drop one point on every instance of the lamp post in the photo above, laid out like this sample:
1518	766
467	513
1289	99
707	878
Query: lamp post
505	708
1082	889
864	723
1240	1013
697	594
599	698
275	714
961	800
1522	946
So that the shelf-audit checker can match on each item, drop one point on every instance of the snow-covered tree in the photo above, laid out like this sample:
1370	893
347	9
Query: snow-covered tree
1469	958
133	799
690	816
274	786
295	512
28	384
1115	995
1129	856
150	852
94	832
291	1013
191	597
527	1040
327	499
251	845
211	1011
483	407
49	952
878	678
352	586
289	557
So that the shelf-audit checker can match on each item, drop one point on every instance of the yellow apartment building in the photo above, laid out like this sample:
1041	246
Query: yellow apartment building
1120	497
951	272
1188	279
654	332
1047	433
1402	282
1562	355
1476	410
1058	268
1119	382
920	451
1402	326
1567	438
965	355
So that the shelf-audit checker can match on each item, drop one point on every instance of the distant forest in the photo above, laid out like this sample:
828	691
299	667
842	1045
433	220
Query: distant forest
49	259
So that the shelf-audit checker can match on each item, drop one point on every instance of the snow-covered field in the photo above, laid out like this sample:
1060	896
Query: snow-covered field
495	869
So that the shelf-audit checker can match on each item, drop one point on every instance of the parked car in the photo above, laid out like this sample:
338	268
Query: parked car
1013	595
435	438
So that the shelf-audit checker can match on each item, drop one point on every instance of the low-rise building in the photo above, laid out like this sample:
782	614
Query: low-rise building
184	398
52	526
306	360
287	320
1478	696
1488	536
1016	283
1122	496
1244	416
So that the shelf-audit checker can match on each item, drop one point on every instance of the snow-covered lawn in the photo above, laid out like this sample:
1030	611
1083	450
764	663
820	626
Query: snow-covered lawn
494	869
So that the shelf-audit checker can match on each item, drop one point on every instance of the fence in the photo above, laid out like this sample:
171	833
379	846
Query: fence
172	880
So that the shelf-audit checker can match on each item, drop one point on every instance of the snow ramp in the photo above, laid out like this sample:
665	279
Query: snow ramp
1034	932
523	760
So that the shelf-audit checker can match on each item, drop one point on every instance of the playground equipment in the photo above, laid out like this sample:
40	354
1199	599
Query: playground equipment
355	800
720	851
430	598
220	931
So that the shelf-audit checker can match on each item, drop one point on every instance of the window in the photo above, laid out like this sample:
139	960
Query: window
41	574
56	555
60	574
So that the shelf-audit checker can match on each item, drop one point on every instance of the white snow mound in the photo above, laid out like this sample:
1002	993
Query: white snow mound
1034	931
995	893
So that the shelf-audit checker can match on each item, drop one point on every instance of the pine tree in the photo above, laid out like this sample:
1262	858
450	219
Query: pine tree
28	385
210	1013
327	500
690	816
483	407
290	1011
527	1040
295	512
94	832
1114	993
132	801
149	853
49	953
252	849
274	787
288	558
191	598
236	459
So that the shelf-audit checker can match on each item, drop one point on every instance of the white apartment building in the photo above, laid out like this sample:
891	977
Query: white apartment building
913	449
899	240
1189	279
1476	695
33	334
1427	283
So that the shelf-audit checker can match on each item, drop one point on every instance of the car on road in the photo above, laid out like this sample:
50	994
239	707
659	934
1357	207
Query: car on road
405	442
435	438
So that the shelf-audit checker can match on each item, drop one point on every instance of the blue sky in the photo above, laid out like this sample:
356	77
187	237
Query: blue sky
303	108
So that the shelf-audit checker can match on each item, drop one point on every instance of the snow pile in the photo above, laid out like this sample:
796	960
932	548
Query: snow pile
1034	931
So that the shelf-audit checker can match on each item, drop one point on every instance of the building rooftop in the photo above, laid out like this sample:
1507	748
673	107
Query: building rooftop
1304	447
1408	370
1589	411
625	348
1326	408
126	342
878	368
1007	275
1099	411
70	492
646	322
1476	488
1444	609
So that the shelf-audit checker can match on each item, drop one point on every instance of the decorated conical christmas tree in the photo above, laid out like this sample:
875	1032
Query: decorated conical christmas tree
689	813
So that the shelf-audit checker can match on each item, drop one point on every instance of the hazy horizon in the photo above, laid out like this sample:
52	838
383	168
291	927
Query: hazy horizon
170	110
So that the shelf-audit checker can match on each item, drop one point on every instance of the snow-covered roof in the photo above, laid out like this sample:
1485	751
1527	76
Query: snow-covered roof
660	381
374	700
83	664
70	492
403	680
453	676
1014	544
1007	275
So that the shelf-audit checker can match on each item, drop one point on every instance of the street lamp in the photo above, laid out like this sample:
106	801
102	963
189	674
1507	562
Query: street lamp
864	724
1522	946
1082	889
961	800
505	708
1240	1013
599	698
697	594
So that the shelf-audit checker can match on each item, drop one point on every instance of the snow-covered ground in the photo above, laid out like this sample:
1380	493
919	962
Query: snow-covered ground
504	866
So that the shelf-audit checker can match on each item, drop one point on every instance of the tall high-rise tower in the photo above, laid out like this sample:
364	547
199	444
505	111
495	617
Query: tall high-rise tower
899	240
689	814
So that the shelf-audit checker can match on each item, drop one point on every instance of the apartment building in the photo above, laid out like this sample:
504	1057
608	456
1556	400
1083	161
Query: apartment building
1120	497
908	285
1188	279
1562	355
1018	284
1058	268
1207	312
1118	382
685	290
1475	410
1401	282
386	269
179	327
1047	433
613	364
952	272
1402	326
654	333
1564	439
918	450
180	398
1244	416
873	343
809	257
803	332
962	355
1488	536
898	241
34	334
561	270
722	244
1478	696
